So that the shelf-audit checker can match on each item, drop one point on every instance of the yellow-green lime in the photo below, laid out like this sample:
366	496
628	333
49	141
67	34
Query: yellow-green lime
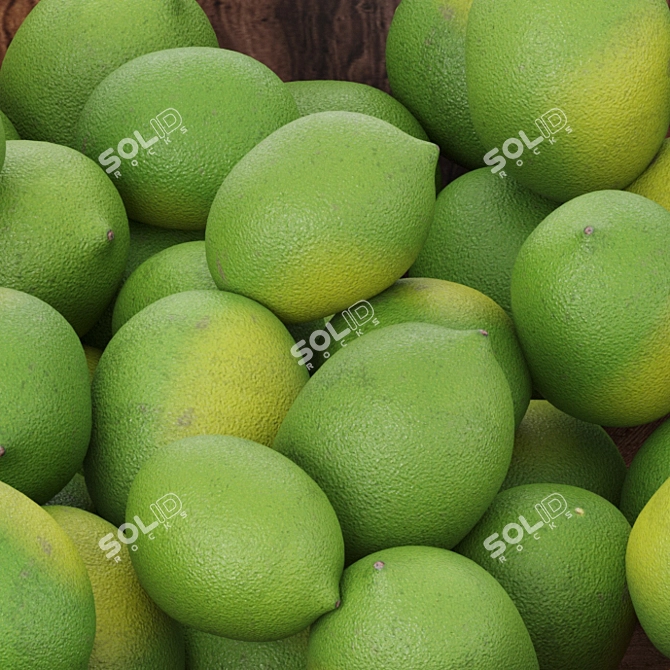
420	608
3	143
569	97
425	57
590	303
648	568
409	430
65	48
480	223
8	127
442	303
63	230
92	359
559	552
74	494
145	241
167	127
193	363
551	446
253	550
329	210
47	612
317	96
131	632
45	397
653	182
212	652
182	267
648	471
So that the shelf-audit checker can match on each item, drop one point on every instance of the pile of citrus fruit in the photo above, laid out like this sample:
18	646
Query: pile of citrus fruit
270	400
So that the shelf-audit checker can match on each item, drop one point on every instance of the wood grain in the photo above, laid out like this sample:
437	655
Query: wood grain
333	39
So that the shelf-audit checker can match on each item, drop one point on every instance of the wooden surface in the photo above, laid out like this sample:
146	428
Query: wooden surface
332	39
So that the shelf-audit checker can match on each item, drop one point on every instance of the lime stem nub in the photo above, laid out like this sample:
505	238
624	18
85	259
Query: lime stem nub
2	451
110	235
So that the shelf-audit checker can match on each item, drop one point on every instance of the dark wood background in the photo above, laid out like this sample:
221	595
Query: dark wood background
331	39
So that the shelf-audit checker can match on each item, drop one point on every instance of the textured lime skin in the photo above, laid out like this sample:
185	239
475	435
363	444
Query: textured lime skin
647	473
227	103
45	397
603	63
330	209
317	96
145	241
568	581
182	267
480	223
453	306
8	127
211	652
420	608
550	446
653	182
65	48
199	362
648	568
258	553
590	303
63	230
92	359
47	613
131	632
74	494
409	431
3	143
425	57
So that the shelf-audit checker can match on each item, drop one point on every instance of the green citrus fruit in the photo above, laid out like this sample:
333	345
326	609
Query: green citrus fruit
63	230
330	209
131	632
569	97
420	608
65	48
480	223
182	267
212	652
653	182
145	241
92	359
168	127
199	362
443	304
648	568
45	397
248	546
559	552
47	612
8	127
553	447
590	303
409	430
317	96
74	494
647	473
425	57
